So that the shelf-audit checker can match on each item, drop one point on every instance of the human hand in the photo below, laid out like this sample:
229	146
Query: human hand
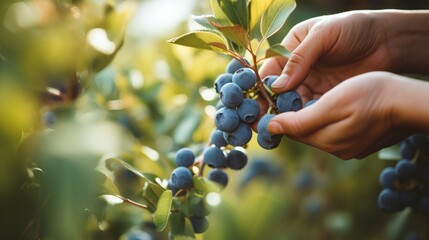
353	119
329	49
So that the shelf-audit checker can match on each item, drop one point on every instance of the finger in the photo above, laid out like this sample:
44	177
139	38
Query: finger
304	121
300	62
272	66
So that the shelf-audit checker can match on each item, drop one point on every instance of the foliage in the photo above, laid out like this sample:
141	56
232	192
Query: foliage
91	118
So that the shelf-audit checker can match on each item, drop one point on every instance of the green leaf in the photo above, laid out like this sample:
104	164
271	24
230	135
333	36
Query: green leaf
219	13
199	185
256	9
201	39
184	238
235	33
277	50
275	16
179	227
204	21
113	163
162	212
152	193
233	10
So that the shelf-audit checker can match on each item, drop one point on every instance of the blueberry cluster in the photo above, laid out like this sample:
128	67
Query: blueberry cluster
238	89
236	112
407	184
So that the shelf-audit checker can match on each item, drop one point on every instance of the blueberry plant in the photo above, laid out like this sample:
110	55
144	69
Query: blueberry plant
89	150
406	184
239	29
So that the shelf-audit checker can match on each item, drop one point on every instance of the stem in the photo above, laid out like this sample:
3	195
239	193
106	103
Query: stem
261	87
126	200
260	44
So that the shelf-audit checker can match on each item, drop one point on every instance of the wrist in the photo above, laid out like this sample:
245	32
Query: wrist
410	109
407	35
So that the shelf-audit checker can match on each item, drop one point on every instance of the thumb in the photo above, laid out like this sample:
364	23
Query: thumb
302	122
299	64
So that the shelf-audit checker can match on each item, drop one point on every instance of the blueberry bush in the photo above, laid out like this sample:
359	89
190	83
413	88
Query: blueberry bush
111	129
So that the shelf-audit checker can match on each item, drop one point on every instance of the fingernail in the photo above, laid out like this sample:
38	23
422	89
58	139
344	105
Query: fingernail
274	127
281	81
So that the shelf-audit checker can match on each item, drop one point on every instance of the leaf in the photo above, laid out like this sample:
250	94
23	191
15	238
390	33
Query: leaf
235	33
151	194
162	212
277	50
204	21
202	40
256	9
275	16
179	227
234	10
113	163
199	185
219	13
184	238
389	153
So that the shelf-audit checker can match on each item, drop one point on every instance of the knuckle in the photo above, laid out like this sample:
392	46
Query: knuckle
296	58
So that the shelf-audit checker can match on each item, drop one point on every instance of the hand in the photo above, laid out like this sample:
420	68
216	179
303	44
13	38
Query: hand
354	119
329	49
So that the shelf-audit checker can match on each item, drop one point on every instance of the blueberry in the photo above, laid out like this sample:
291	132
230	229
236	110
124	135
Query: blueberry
304	179
221	80
49	118
240	136
388	177
214	157
226	119
407	149
263	129
217	138
199	224
231	95
289	101
199	209
260	167
181	177
234	65
185	157
249	110
236	159
173	188
421	142
269	80
218	176
245	78
405	169
268	144
389	200
309	103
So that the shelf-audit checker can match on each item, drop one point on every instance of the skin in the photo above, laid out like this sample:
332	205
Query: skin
350	62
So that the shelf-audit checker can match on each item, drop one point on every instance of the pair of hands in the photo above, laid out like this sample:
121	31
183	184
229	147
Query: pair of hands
344	61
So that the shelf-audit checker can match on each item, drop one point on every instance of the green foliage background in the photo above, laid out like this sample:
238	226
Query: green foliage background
142	101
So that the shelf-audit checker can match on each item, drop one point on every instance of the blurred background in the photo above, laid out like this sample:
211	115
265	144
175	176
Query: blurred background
84	80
